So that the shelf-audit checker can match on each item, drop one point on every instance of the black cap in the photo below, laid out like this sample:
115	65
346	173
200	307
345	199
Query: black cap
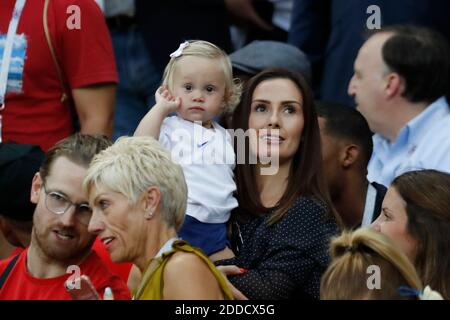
18	165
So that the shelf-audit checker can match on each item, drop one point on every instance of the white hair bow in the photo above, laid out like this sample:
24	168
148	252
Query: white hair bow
426	294
429	294
180	49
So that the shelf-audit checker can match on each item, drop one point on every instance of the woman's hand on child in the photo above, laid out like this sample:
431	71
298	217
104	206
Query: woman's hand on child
229	271
166	101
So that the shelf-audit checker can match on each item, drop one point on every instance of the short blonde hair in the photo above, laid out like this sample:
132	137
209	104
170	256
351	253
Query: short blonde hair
353	253
131	165
205	49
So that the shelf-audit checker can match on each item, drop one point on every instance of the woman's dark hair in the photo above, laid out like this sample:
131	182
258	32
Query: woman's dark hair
427	197
306	175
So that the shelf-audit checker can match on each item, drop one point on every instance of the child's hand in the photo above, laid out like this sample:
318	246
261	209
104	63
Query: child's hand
165	100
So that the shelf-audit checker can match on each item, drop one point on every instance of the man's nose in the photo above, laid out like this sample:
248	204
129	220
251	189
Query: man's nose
351	87
68	217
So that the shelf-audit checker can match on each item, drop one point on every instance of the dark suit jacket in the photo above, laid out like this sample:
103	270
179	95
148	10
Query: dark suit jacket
331	32
381	192
167	23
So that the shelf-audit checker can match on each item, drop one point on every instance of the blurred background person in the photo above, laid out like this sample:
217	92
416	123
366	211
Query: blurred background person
138	76
346	150
165	24
259	20
263	54
331	32
409	114
18	165
62	67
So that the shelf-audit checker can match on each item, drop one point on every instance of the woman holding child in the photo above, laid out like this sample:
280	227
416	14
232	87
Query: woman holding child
284	222
142	201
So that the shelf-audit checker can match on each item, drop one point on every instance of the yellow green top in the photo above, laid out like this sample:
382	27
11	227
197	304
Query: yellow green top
152	284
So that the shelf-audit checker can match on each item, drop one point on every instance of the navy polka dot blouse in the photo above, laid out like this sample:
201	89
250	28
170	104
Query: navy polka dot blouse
284	260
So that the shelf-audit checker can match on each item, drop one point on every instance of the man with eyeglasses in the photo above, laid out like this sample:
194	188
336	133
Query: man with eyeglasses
61	246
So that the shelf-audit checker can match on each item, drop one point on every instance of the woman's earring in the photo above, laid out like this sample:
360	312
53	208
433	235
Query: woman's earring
149	215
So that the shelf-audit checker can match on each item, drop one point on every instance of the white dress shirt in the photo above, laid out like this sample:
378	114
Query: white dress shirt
424	143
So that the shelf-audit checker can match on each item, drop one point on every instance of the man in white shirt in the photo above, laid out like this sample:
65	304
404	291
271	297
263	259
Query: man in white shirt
401	75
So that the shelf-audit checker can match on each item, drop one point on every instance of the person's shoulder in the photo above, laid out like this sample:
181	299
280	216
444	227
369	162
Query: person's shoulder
307	212
188	276
308	203
4	263
182	264
442	128
437	138
182	260
438	114
85	11
81	4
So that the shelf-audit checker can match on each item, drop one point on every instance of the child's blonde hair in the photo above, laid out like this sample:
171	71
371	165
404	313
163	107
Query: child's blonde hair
205	49
353	253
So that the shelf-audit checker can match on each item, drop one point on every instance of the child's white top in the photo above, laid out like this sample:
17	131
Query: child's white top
207	158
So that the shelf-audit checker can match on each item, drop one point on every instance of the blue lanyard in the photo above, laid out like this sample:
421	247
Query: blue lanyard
6	61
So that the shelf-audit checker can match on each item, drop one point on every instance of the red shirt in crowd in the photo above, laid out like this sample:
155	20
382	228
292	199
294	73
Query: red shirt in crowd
21	285
121	269
34	113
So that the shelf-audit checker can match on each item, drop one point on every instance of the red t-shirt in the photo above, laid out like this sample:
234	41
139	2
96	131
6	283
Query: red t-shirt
119	269
20	285
34	112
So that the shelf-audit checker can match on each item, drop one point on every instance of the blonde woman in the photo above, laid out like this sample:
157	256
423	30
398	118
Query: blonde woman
367	265
138	196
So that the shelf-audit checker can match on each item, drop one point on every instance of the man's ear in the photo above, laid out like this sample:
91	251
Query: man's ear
36	186
349	155
150	201
394	85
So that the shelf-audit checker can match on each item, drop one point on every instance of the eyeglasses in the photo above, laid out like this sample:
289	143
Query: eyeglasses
59	204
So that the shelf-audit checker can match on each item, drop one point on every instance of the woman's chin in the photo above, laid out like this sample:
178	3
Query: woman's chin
117	256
